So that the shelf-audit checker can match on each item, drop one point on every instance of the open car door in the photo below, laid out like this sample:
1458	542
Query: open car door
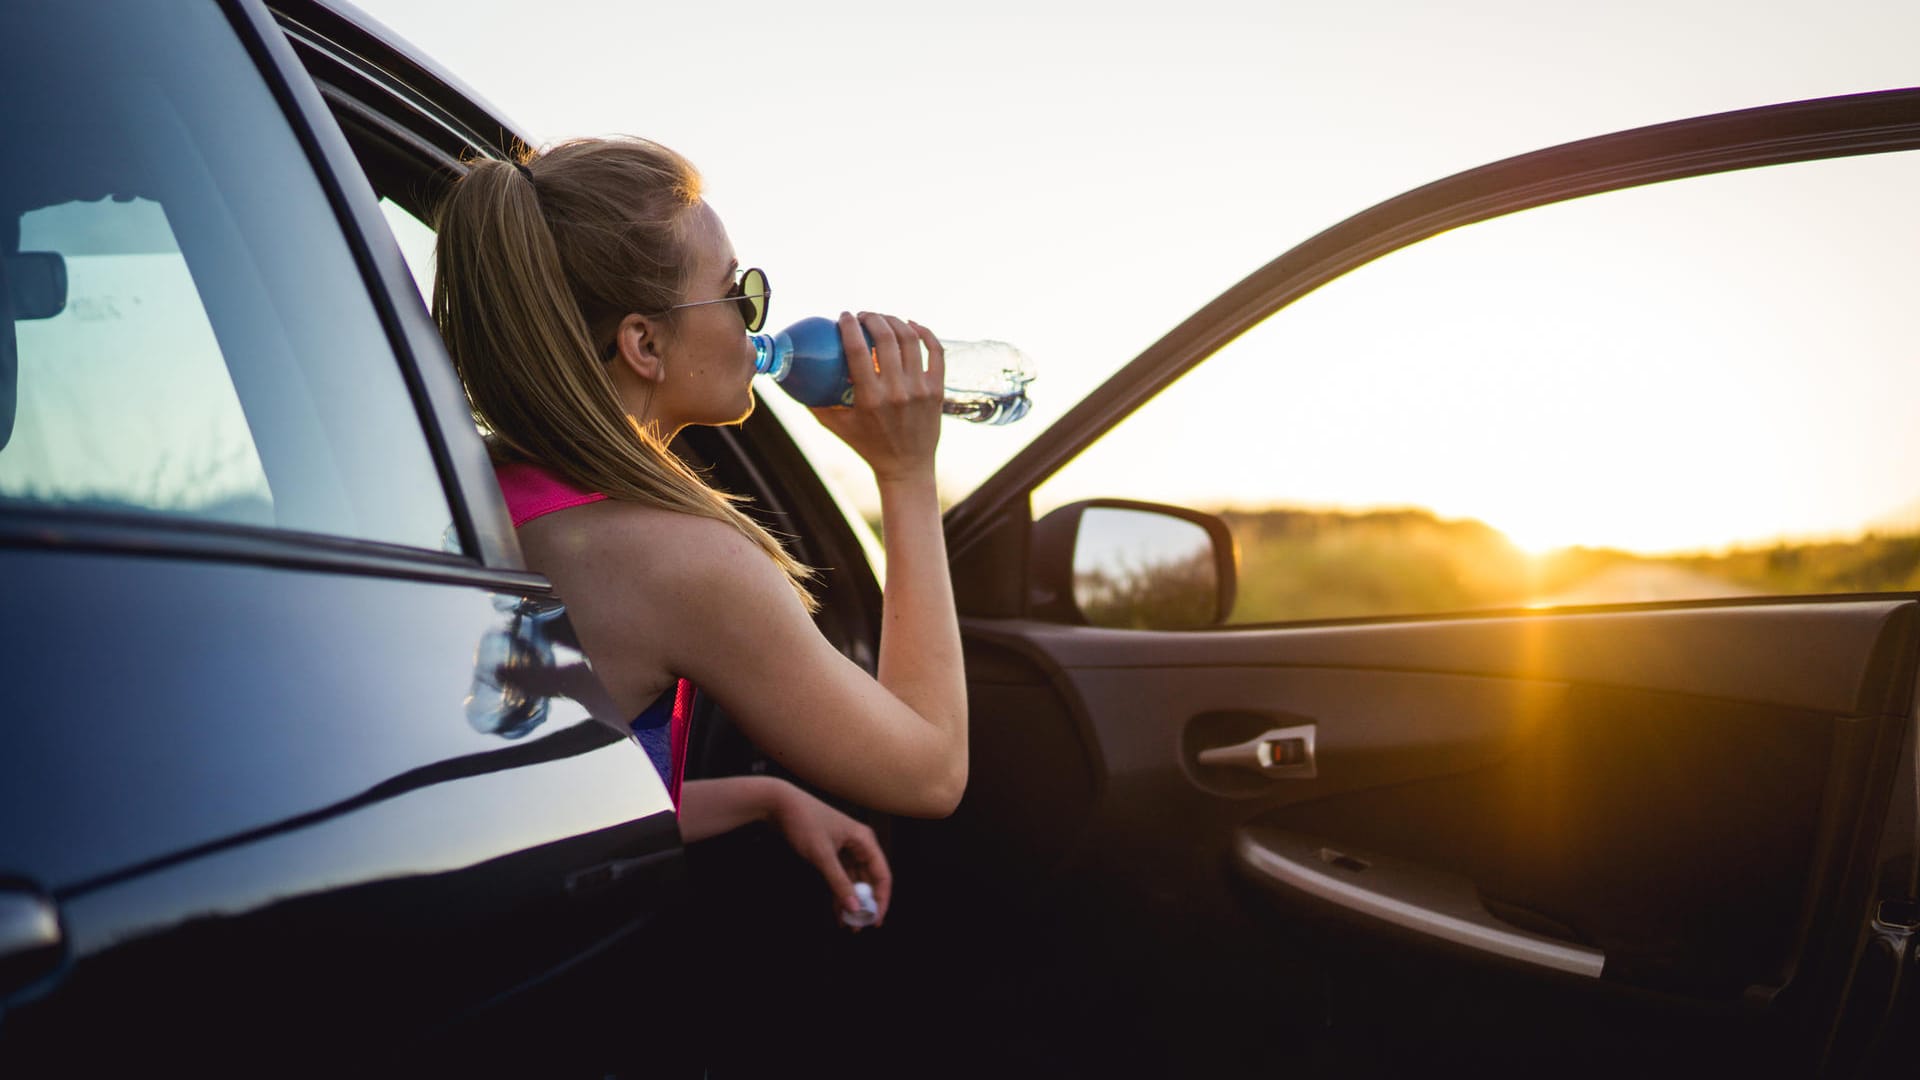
1633	812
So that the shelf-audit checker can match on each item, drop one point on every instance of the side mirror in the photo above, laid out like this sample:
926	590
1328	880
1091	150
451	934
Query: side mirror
1133	565
33	285
36	284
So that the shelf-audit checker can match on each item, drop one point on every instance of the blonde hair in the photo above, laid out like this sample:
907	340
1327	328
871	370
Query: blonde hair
533	269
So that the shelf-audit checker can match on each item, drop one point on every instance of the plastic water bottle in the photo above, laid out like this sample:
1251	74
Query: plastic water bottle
869	907
986	380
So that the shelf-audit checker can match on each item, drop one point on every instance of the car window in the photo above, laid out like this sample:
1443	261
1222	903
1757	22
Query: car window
187	336
416	239
1702	388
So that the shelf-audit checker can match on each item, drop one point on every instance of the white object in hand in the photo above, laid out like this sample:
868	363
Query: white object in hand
869	911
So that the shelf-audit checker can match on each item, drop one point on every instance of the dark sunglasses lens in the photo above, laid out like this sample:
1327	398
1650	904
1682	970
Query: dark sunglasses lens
753	299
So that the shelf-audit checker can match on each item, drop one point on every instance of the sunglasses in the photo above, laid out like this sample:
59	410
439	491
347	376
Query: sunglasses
750	292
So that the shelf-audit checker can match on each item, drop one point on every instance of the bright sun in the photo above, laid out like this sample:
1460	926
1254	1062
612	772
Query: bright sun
1536	542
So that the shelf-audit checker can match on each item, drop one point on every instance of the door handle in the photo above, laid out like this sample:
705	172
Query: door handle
1283	754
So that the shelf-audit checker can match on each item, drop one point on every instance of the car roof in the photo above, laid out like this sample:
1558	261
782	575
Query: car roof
342	29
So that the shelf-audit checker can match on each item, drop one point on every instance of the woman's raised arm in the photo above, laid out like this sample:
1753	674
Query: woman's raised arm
904	748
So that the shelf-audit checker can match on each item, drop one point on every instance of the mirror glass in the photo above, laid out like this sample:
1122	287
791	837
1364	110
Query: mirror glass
1139	570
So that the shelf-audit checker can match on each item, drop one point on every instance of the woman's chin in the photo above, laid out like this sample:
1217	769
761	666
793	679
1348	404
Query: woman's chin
746	410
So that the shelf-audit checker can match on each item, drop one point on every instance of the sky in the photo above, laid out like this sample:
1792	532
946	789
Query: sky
1078	178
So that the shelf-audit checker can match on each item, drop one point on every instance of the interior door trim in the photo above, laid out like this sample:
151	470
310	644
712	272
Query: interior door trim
1837	655
1433	904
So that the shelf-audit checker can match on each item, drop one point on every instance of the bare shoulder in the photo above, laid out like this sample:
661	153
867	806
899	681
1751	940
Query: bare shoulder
649	588
663	558
613	541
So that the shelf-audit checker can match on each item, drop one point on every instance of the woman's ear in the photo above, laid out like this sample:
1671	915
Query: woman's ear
637	347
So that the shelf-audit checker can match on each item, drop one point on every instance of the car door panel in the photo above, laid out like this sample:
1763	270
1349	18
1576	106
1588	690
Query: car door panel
1662	801
383	785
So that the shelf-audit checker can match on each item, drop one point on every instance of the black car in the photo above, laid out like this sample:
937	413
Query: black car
302	768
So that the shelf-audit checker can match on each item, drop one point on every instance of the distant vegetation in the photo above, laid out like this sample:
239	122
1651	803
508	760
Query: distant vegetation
1334	564
1317	564
1873	563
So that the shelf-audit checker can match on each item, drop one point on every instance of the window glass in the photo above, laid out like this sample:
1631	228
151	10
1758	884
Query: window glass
416	240
1694	389
186	333
102	421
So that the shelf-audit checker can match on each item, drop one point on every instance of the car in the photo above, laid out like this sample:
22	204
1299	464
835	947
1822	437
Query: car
303	768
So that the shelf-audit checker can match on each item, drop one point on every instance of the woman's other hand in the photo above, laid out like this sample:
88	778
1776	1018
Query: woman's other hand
894	421
842	849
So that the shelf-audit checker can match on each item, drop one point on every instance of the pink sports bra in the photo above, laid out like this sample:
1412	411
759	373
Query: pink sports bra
661	728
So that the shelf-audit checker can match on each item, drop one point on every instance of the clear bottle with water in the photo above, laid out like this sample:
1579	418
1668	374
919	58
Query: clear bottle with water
986	380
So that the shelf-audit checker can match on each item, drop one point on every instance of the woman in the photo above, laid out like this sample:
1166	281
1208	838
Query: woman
589	298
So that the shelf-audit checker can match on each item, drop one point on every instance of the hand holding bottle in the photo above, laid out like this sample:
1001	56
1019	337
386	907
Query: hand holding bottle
893	419
985	382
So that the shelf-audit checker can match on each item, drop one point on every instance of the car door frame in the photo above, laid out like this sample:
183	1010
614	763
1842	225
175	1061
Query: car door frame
298	38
